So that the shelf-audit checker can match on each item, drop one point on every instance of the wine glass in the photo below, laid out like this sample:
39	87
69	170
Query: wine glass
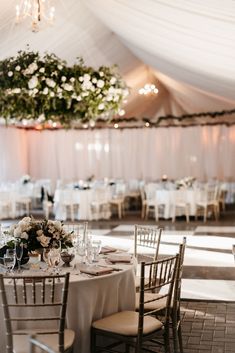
96	247
9	259
82	251
54	259
19	248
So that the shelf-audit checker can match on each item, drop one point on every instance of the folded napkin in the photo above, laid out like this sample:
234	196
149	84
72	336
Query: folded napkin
107	250
125	258
95	270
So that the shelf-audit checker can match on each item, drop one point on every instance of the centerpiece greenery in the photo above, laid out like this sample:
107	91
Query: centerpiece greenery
44	88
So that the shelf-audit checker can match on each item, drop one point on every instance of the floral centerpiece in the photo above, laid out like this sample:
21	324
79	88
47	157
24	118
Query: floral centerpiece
38	235
185	183
45	89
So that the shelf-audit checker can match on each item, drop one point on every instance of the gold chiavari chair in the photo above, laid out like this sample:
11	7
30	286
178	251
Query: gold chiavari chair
160	306
36	305
141	330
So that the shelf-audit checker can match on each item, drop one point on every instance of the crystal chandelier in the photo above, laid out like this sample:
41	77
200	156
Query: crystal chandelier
36	11
148	89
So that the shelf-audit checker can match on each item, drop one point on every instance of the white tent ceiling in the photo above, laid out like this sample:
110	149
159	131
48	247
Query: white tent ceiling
187	45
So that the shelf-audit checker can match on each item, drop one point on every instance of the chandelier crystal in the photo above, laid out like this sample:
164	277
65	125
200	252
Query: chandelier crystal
148	89
35	10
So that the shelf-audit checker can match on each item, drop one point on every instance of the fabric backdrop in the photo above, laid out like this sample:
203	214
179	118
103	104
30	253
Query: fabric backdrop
204	152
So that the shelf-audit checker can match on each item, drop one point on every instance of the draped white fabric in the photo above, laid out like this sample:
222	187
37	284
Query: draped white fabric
191	41
204	152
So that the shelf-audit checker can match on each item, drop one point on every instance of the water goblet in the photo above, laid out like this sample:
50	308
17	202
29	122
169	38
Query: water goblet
19	248
96	246
54	259
82	251
9	260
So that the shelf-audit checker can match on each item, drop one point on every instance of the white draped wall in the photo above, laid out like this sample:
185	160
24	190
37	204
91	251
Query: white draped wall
204	152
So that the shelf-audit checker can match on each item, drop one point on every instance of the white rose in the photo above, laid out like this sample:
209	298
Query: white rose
60	67
101	106
86	85
17	232
94	80
101	73
50	82
45	91
44	241
81	79
41	118
32	68
16	90
24	235
113	80
59	90
63	79
67	87
52	94
86	77
33	82
100	83
10	73
42	70
79	98
72	79
18	68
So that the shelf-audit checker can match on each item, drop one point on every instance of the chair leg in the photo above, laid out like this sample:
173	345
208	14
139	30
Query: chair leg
167	340
119	211
147	212
93	341
205	214
143	212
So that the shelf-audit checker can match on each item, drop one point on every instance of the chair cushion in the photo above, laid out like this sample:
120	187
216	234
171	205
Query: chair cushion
126	323
156	305
21	342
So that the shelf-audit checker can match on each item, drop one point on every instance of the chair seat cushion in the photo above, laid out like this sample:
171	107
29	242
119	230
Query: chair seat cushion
126	323
21	342
159	304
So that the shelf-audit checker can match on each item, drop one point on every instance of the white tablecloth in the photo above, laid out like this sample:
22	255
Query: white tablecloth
167	198
91	299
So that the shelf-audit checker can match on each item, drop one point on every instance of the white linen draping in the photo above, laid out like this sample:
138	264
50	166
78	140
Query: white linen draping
190	41
203	152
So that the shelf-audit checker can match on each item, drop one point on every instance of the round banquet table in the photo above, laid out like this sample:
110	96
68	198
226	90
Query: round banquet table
91	298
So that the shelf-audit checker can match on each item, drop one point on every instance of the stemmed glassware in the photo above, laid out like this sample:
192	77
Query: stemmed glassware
9	260
19	248
96	248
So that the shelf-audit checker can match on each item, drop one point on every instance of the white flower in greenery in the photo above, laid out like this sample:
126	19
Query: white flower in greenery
59	90
41	118
81	79
35	91
101	73
31	68
109	98
10	74
50	83
86	85
52	94
79	98
85	94
87	77
100	83
101	106
24	235
113	80
42	70
18	68
67	87
44	241
33	82
45	91
72	79
94	80
16	90
63	78
60	67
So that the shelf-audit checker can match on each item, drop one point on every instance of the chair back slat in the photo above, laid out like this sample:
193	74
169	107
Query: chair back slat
36	298
149	237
